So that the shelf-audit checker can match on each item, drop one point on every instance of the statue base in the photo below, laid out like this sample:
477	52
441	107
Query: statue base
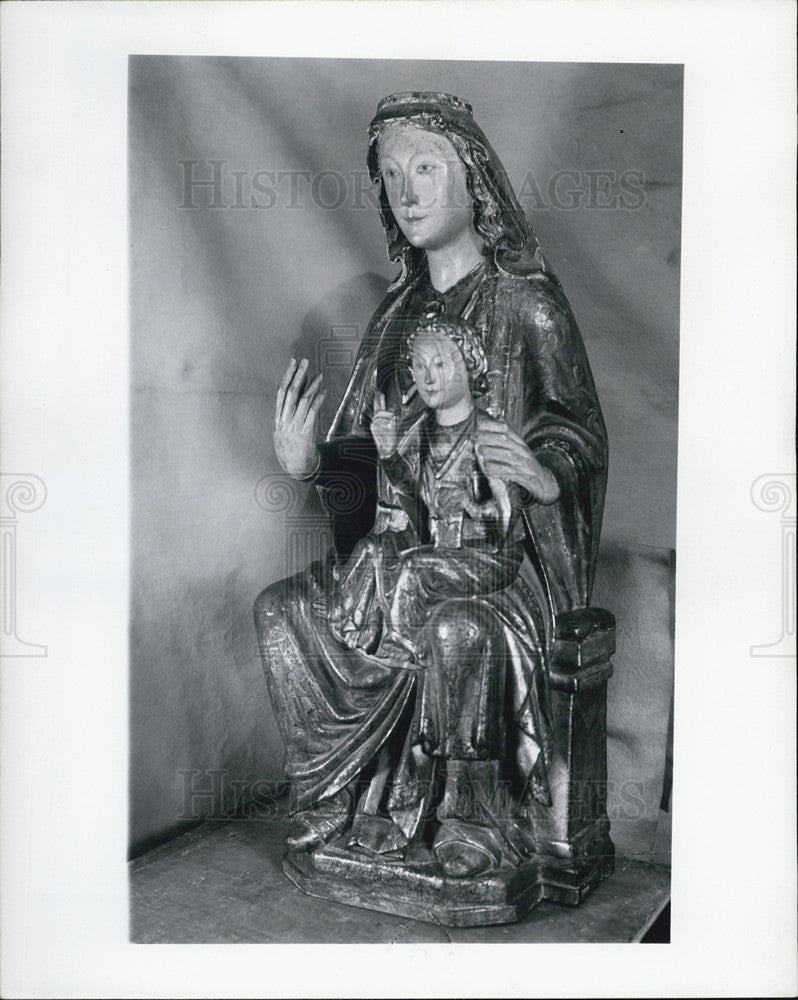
419	889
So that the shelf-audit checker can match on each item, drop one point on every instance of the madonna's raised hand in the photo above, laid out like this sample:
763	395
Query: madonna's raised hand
298	405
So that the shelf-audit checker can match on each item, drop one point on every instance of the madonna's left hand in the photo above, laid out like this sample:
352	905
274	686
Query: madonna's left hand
505	455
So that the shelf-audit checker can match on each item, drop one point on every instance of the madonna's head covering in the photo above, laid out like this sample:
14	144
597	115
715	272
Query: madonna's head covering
498	218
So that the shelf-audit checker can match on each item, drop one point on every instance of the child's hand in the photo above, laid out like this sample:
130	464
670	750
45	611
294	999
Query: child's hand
383	427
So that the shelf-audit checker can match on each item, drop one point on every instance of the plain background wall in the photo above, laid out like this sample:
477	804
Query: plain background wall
222	296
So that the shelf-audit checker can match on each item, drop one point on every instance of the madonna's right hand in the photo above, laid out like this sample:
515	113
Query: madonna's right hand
298	406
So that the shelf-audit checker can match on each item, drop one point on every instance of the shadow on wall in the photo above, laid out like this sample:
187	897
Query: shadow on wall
329	336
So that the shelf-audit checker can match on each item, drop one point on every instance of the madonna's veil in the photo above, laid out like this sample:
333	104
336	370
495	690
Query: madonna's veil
498	217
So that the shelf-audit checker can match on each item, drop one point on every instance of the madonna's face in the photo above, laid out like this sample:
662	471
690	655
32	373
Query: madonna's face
425	183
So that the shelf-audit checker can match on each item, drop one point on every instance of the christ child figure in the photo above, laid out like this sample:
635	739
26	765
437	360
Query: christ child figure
462	535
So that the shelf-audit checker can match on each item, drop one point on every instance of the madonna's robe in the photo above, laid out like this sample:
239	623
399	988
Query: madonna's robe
342	718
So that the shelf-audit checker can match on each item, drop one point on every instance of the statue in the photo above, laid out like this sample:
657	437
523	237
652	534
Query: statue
440	679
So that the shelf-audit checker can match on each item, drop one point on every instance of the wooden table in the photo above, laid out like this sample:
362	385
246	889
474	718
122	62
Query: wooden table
222	883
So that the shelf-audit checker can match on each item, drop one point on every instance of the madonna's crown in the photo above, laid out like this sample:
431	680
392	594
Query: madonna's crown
408	100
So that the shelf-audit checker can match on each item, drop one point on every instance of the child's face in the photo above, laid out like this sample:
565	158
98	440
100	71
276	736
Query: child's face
439	371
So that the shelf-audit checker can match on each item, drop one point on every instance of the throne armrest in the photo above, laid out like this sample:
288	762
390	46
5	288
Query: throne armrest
584	641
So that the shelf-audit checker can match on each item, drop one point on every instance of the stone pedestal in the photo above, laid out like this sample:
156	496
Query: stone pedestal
416	888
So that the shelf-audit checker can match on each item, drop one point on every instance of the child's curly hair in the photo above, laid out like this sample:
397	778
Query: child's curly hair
461	333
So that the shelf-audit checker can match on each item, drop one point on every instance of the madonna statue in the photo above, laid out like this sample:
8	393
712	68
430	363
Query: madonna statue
459	777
